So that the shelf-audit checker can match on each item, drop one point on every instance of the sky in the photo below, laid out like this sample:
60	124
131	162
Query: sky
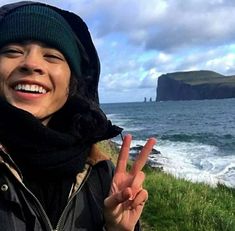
138	41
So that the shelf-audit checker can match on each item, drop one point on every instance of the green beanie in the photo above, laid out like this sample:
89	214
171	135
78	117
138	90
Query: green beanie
41	23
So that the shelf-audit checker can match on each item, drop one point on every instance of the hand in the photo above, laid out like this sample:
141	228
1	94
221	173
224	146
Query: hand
126	201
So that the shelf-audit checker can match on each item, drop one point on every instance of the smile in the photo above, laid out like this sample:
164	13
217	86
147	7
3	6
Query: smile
31	88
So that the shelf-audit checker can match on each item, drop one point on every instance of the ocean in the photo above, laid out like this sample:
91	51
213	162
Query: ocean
196	139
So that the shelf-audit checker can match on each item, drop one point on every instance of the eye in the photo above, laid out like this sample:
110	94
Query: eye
52	55
11	51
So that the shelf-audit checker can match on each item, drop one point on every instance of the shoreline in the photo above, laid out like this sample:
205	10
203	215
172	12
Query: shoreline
178	204
112	148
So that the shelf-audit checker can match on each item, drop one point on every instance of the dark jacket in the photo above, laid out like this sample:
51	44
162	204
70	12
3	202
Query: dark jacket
21	211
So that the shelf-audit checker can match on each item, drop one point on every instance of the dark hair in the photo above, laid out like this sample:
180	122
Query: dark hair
73	85
77	87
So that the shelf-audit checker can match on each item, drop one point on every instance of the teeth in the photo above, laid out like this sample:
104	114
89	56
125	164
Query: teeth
30	88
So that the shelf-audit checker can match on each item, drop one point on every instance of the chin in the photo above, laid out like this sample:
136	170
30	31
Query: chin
28	108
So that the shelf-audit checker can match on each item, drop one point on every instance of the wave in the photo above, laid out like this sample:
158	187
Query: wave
196	139
197	162
225	142
126	124
192	161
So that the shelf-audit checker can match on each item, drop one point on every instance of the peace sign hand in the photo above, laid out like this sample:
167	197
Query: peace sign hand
127	197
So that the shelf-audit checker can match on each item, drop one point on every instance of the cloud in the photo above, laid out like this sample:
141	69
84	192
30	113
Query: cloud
137	41
150	79
163	25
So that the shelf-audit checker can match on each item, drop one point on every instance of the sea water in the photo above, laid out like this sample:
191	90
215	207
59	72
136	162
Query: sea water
196	139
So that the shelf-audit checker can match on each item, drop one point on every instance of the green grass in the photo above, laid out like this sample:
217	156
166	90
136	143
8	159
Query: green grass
180	205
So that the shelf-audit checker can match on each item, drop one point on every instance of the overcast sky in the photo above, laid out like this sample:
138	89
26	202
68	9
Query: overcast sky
137	41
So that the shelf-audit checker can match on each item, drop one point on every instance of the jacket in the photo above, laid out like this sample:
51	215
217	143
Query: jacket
21	210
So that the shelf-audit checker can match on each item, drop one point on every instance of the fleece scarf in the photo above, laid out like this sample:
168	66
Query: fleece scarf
50	157
61	148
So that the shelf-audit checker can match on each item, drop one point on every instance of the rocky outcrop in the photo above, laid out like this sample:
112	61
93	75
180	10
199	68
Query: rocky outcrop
195	85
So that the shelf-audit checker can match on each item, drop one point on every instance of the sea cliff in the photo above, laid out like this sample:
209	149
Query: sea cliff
195	85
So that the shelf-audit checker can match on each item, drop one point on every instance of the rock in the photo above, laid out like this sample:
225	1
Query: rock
136	149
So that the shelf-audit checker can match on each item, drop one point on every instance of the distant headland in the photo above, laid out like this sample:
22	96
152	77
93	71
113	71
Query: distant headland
195	85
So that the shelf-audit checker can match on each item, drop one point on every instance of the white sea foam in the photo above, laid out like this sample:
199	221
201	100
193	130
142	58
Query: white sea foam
195	162
121	122
112	115
124	122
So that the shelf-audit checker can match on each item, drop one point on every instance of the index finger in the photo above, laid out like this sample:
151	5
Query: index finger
143	156
124	154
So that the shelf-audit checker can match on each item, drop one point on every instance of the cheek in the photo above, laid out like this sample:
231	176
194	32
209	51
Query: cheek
6	69
3	73
3	83
62	80
66	77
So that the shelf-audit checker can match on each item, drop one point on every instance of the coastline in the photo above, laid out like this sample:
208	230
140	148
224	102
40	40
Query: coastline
178	204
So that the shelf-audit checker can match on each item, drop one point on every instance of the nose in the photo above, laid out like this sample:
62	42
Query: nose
32	63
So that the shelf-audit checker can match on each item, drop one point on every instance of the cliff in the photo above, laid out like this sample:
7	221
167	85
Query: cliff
195	85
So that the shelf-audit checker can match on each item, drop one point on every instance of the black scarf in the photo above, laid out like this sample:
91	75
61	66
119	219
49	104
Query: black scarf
50	157
61	148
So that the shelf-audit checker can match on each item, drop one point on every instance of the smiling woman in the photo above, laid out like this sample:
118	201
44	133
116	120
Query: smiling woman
34	78
52	174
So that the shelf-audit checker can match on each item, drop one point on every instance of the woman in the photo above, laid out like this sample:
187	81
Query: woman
53	176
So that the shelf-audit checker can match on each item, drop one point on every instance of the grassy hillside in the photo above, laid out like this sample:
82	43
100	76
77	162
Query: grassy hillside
202	77
179	205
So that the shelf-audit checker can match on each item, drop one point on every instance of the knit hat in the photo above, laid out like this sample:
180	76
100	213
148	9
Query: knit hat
41	23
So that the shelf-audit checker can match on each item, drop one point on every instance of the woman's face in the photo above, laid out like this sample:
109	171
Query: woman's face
34	77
